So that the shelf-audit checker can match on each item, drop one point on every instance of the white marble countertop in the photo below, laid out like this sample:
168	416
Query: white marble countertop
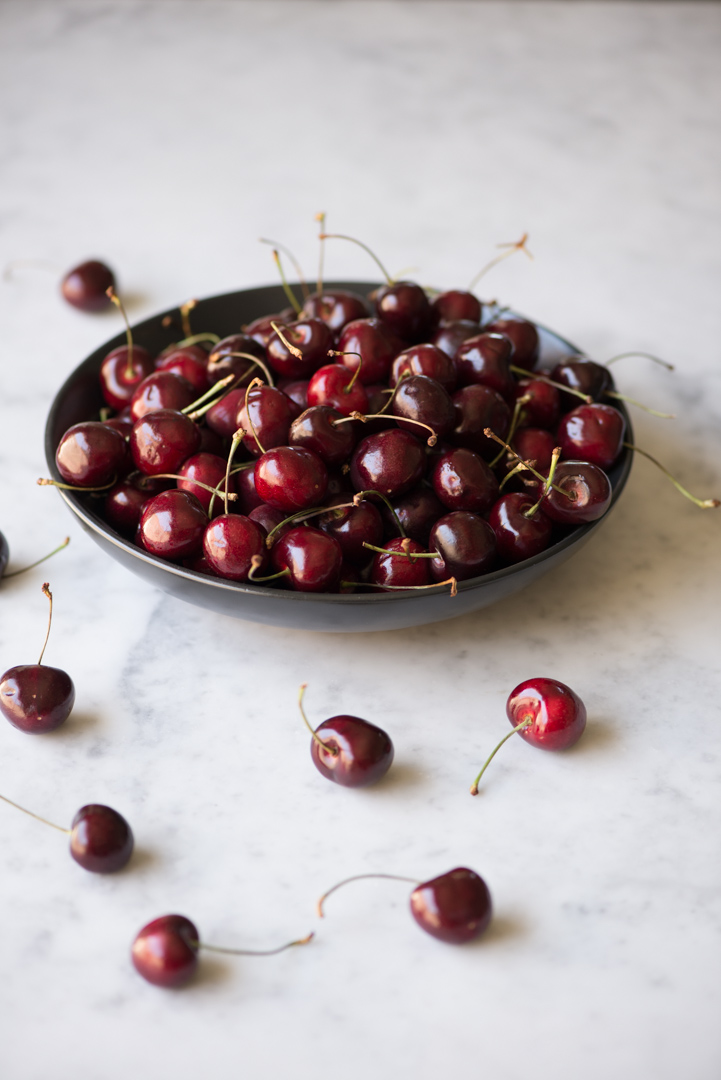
165	136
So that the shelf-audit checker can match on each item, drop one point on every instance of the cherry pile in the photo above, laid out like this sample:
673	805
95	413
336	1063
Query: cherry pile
399	441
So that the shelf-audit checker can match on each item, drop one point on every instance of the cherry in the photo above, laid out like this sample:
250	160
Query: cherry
592	433
124	503
376	345
425	401
248	497
165	951
336	307
232	543
311	557
390	461
544	712
161	390
222	416
296	390
585	493
455	304
34	697
463	481
172	524
454	907
450	336
415	512
265	416
210	470
334	386
300	348
4	554
271	520
291	478
161	441
534	444
261	330
315	430
524	338
519	534
86	286
124	368
425	360
404	308
479	407
189	366
100	839
486	359
466	546
352	526
91	454
542	406
396	568
583	375
222	362
347	750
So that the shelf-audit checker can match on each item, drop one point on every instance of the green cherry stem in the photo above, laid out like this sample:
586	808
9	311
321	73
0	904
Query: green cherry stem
255	564
60	547
640	405
36	816
296	265
519	727
376	260
360	495
526	464
544	378
46	591
290	295
254	952
332	750
645	355
512	248
555	455
214	390
403	554
704	504
115	299
453	582
185	310
46	482
365	417
359	877
196	339
251	386
217	358
520	402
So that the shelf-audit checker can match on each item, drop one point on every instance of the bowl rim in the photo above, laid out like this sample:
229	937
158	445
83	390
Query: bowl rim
93	522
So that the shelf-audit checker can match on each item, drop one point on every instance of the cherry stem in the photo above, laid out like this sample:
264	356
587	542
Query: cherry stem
300	516
29	264
36	816
189	480
376	260
359	877
253	952
513	247
555	455
251	386
195	339
115	299
320	218
185	310
645	355
520	402
364	417
255	564
332	750
522	466
544	378
405	553
334	352
704	504
360	495
539	476
640	405
290	296
292	349
46	591
237	440
212	392
519	727
46	482
453	582
14	573
216	358
296	265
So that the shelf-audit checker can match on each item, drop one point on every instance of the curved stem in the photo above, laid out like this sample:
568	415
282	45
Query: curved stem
539	476
296	265
513	247
519	727
251	386
453	582
332	750
36	816
360	495
359	877
195	339
292	349
14	573
544	378
289	294
185	310
300	516
376	260
237	440
519	403
555	455
320	217
704	504
43	481
115	299
46	591
403	554
363	417
216	358
640	405
254	952
211	392
645	355
255	564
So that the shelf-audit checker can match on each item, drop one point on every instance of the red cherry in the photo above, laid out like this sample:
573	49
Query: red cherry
161	390
466	546
231	543
161	441
390	461
291	478
555	716
189	366
592	433
455	304
425	360
585	493
395	567
119	379
404	308
165	951
91	454
100	839
486	360
333	386
351	751
463	481
309	337
376	345
519	536
312	559
86	286
172	524
524	338
336	307
454	907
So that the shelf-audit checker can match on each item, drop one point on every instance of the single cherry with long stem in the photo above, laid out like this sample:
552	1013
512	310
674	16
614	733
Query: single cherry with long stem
348	750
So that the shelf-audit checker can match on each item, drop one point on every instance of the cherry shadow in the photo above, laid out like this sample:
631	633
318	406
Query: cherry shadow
401	777
141	860
600	734
212	971
504	927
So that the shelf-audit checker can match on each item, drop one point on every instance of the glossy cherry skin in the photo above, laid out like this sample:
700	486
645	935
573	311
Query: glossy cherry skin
404	308
450	336
220	363
209	469
86	286
355	753
417	511
391	461
588	495
336	308
524	338
422	399
313	558
172	524
455	304
377	346
291	478
543	408
161	390
36	698
100	839
269	414
466	545
315	430
583	375
161	441
248	497
165	952
331	386
222	416
463	481
91	454
352	526
533	444
592	433
454	907
396	569
486	360
518	536
261	329
189	366
479	407
425	360
124	503
557	714
269	518
118	383
311	337
229	544
296	390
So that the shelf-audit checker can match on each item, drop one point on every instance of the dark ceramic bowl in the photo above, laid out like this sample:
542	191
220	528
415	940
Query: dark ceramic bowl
80	399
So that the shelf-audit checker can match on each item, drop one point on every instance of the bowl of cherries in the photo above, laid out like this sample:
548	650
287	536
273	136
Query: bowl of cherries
371	458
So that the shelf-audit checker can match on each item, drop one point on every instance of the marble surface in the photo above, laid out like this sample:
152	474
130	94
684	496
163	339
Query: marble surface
166	136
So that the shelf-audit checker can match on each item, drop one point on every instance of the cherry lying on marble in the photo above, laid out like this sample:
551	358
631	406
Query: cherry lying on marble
86	286
348	750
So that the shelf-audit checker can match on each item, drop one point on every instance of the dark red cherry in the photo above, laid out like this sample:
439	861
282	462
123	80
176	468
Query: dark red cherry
533	444
486	360
189	366
311	337
455	304
315	430
124	503
585	493
122	424
585	376
354	752
86	286
463	481
397	569
269	414
220	363
418	398
100	839
543	408
376	345
261	330
332	385
336	308
36	698
466	545
222	416
296	390
425	360
269	519
592	433
450	336
404	308
248	497
390	461
172	524
454	907
519	536
352	526
165	952
161	441
555	715
479	407
209	469
524	338
118	379
291	478
231	542
161	390
312	557
416	511
91	454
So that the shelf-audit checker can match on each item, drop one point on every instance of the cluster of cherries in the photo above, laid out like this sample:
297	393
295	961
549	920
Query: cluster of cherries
338	445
